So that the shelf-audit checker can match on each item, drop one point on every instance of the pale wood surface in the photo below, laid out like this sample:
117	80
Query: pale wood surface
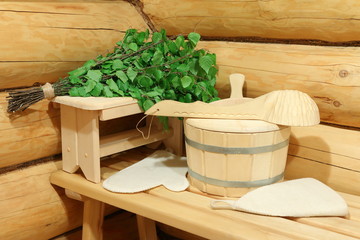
28	135
117	226
32	208
81	141
175	143
146	228
119	142
329	20
93	219
190	212
267	67
94	103
88	143
284	107
328	74
234	167
35	133
69	139
45	41
330	154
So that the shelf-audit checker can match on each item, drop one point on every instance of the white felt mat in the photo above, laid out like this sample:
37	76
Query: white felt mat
296	198
160	168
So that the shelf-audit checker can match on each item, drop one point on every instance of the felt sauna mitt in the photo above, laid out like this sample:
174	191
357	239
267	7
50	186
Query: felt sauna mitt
304	197
160	168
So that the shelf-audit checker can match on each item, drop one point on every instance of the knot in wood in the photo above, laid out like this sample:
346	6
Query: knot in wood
343	73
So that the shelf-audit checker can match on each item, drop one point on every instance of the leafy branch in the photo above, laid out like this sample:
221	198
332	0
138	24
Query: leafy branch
150	69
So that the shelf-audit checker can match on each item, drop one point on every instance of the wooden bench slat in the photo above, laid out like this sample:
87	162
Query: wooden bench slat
335	224
191	212
348	226
167	211
279	225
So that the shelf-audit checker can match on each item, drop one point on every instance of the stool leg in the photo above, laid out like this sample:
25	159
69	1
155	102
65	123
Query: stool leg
146	228
93	219
89	144
69	139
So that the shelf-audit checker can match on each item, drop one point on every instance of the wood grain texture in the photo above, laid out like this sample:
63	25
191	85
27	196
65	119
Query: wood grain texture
42	42
118	226
35	133
333	20
329	154
32	208
28	135
330	75
196	216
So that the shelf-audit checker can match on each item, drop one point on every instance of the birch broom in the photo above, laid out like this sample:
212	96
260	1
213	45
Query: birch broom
147	67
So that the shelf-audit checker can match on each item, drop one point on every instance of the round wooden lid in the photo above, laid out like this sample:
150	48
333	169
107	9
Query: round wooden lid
230	125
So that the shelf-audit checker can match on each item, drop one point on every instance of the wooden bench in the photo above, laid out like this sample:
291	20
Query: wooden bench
191	212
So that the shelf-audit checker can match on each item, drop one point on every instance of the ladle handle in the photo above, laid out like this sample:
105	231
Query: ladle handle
237	82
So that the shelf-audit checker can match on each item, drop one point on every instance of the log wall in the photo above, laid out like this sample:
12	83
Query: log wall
330	75
326	20
311	46
41	41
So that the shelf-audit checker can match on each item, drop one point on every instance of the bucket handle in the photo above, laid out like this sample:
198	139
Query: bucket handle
223	204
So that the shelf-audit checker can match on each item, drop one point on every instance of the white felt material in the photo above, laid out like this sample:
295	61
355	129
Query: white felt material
304	197
160	168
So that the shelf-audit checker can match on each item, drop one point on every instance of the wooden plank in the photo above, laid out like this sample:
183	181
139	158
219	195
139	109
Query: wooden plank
120	226
122	111
160	204
347	226
93	219
31	208
28	135
337	178
58	37
327	74
281	226
162	210
180	234
119	142
19	74
332	21
146	228
69	139
327	153
327	144
336	224
35	133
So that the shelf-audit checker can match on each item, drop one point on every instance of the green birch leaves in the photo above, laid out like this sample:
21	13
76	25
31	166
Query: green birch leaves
149	68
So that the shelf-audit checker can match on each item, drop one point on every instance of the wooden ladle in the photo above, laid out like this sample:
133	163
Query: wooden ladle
283	107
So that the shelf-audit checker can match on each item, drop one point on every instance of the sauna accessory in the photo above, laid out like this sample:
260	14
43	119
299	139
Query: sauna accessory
160	168
304	197
283	107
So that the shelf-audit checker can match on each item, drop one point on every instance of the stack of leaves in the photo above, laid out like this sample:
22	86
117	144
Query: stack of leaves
147	67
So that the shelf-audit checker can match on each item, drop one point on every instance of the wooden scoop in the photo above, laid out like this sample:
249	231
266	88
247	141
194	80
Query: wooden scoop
283	107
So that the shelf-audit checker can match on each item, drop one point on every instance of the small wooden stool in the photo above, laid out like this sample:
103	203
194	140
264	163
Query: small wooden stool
81	143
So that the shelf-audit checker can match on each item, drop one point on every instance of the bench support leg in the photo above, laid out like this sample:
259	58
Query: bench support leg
93	219
146	228
69	139
89	144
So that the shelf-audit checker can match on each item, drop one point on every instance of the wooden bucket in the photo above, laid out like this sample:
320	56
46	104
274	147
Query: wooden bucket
231	157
